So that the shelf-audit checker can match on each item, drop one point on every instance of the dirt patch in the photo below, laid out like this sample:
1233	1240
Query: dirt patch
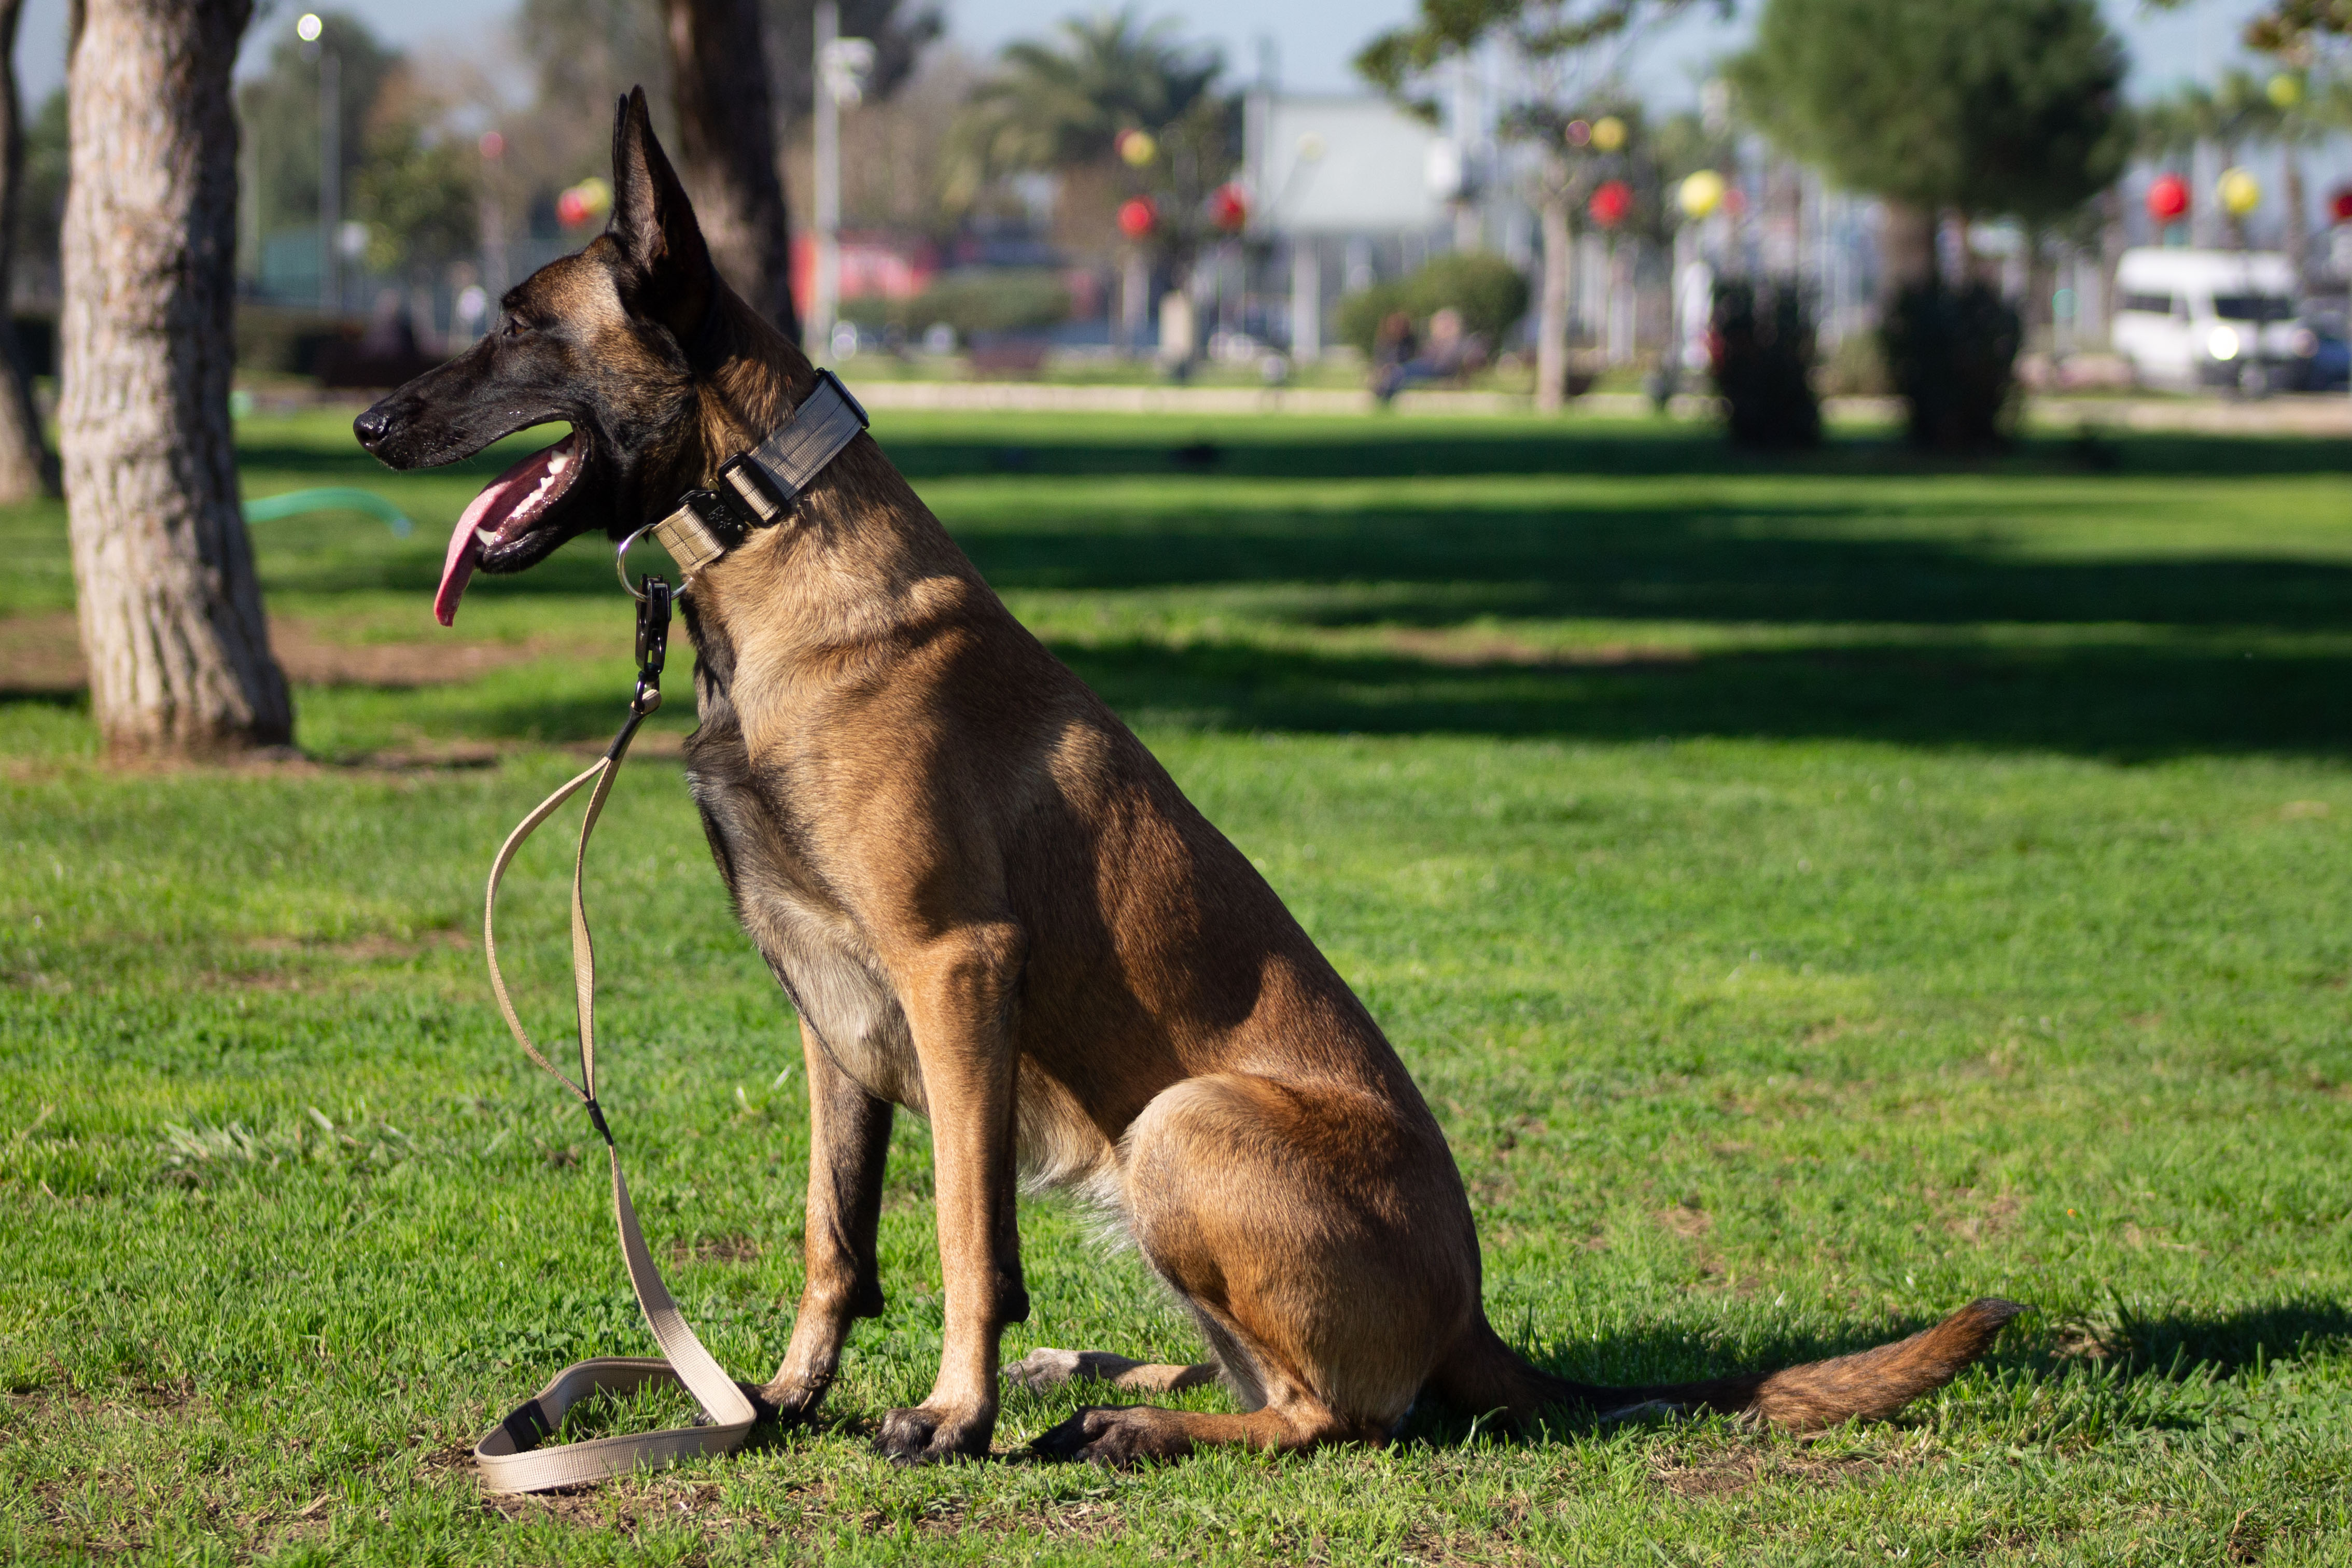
1467	649
40	655
1973	1217
1686	1220
372	948
715	1250
1735	1470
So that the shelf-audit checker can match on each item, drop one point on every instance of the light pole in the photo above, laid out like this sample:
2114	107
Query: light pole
331	159
841	65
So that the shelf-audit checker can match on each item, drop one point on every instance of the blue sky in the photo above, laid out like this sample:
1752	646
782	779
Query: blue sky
1315	38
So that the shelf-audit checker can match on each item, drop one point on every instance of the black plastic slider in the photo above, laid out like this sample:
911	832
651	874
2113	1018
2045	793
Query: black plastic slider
596	1115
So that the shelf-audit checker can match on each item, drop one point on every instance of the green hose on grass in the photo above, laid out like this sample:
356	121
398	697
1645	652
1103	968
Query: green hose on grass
331	498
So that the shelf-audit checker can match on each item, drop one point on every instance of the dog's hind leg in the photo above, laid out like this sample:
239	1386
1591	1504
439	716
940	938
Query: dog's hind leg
1320	1247
849	1136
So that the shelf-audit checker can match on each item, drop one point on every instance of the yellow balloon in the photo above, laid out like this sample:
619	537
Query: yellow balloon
2241	193
1138	148
2285	89
1700	194
596	195
1608	133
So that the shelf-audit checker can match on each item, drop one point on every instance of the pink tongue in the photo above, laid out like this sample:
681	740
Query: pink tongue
493	506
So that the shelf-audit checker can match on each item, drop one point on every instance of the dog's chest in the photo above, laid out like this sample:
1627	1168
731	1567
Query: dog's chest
811	940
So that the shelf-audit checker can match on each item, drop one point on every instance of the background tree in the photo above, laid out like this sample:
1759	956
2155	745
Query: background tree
726	80
1977	107
725	148
899	42
419	191
1982	107
1059	105
170	610
1563	42
279	113
25	467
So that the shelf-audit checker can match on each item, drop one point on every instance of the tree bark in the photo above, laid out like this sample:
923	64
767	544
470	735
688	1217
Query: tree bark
1552	310
727	149
1907	246
170	610
25	468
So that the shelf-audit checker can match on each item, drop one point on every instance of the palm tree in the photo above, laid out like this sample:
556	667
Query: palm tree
1061	104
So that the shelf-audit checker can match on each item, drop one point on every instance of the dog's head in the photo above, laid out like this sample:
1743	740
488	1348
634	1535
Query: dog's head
600	339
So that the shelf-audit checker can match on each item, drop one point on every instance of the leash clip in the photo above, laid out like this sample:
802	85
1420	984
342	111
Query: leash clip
653	643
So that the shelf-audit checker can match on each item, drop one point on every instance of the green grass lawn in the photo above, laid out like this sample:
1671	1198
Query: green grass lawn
1811	894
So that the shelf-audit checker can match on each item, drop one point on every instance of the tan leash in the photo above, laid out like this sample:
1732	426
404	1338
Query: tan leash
509	1455
762	486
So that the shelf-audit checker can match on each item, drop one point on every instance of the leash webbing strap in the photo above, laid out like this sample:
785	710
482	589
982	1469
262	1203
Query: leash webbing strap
509	1455
761	485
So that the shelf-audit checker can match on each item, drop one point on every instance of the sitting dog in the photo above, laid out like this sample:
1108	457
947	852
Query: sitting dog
990	905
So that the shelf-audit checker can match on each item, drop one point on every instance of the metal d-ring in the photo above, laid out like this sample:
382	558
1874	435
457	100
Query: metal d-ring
621	560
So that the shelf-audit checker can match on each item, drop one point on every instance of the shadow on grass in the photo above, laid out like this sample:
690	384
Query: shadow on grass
2118	702
1375	449
2173	1347
1776	562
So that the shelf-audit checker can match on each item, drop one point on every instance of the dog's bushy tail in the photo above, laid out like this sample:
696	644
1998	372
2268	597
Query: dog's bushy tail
1487	1375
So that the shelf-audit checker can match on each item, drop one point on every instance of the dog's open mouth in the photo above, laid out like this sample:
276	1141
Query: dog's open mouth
500	522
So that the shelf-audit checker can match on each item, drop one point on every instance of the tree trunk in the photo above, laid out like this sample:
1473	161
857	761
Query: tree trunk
25	469
170	611
727	149
1907	246
1551	313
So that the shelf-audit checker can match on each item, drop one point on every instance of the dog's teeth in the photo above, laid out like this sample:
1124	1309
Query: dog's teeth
486	536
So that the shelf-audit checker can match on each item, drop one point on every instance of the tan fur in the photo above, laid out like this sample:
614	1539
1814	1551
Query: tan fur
993	906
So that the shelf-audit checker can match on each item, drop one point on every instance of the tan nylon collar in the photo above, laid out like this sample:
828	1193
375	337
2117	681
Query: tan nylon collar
760	487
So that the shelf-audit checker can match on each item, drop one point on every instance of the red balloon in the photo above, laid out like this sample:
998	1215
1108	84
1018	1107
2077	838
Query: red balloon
2340	205
570	208
1136	216
1229	207
2168	199
1611	203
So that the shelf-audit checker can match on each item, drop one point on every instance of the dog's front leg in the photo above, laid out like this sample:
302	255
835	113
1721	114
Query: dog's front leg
849	1138
958	996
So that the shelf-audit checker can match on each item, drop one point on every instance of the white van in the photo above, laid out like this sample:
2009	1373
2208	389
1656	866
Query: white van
2192	319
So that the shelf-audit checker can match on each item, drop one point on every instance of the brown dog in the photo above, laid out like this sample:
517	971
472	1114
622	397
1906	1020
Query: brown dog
991	906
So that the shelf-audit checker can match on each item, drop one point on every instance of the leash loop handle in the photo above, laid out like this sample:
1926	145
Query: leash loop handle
508	1455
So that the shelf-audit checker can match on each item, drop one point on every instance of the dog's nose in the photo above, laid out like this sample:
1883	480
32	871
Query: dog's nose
371	427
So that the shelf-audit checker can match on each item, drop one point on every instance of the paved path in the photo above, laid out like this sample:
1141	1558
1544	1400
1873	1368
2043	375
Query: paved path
2330	415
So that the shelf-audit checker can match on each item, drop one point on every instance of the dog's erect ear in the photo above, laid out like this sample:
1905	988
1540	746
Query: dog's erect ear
672	281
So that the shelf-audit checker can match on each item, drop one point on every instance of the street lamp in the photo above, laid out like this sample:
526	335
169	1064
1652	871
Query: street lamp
310	29
842	66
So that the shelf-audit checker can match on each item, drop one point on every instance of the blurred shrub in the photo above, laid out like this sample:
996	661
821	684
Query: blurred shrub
1952	356
1490	293
1763	363
975	301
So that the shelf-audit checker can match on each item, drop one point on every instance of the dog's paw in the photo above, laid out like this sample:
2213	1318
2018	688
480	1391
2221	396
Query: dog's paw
786	1404
1117	1436
922	1435
1044	1369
